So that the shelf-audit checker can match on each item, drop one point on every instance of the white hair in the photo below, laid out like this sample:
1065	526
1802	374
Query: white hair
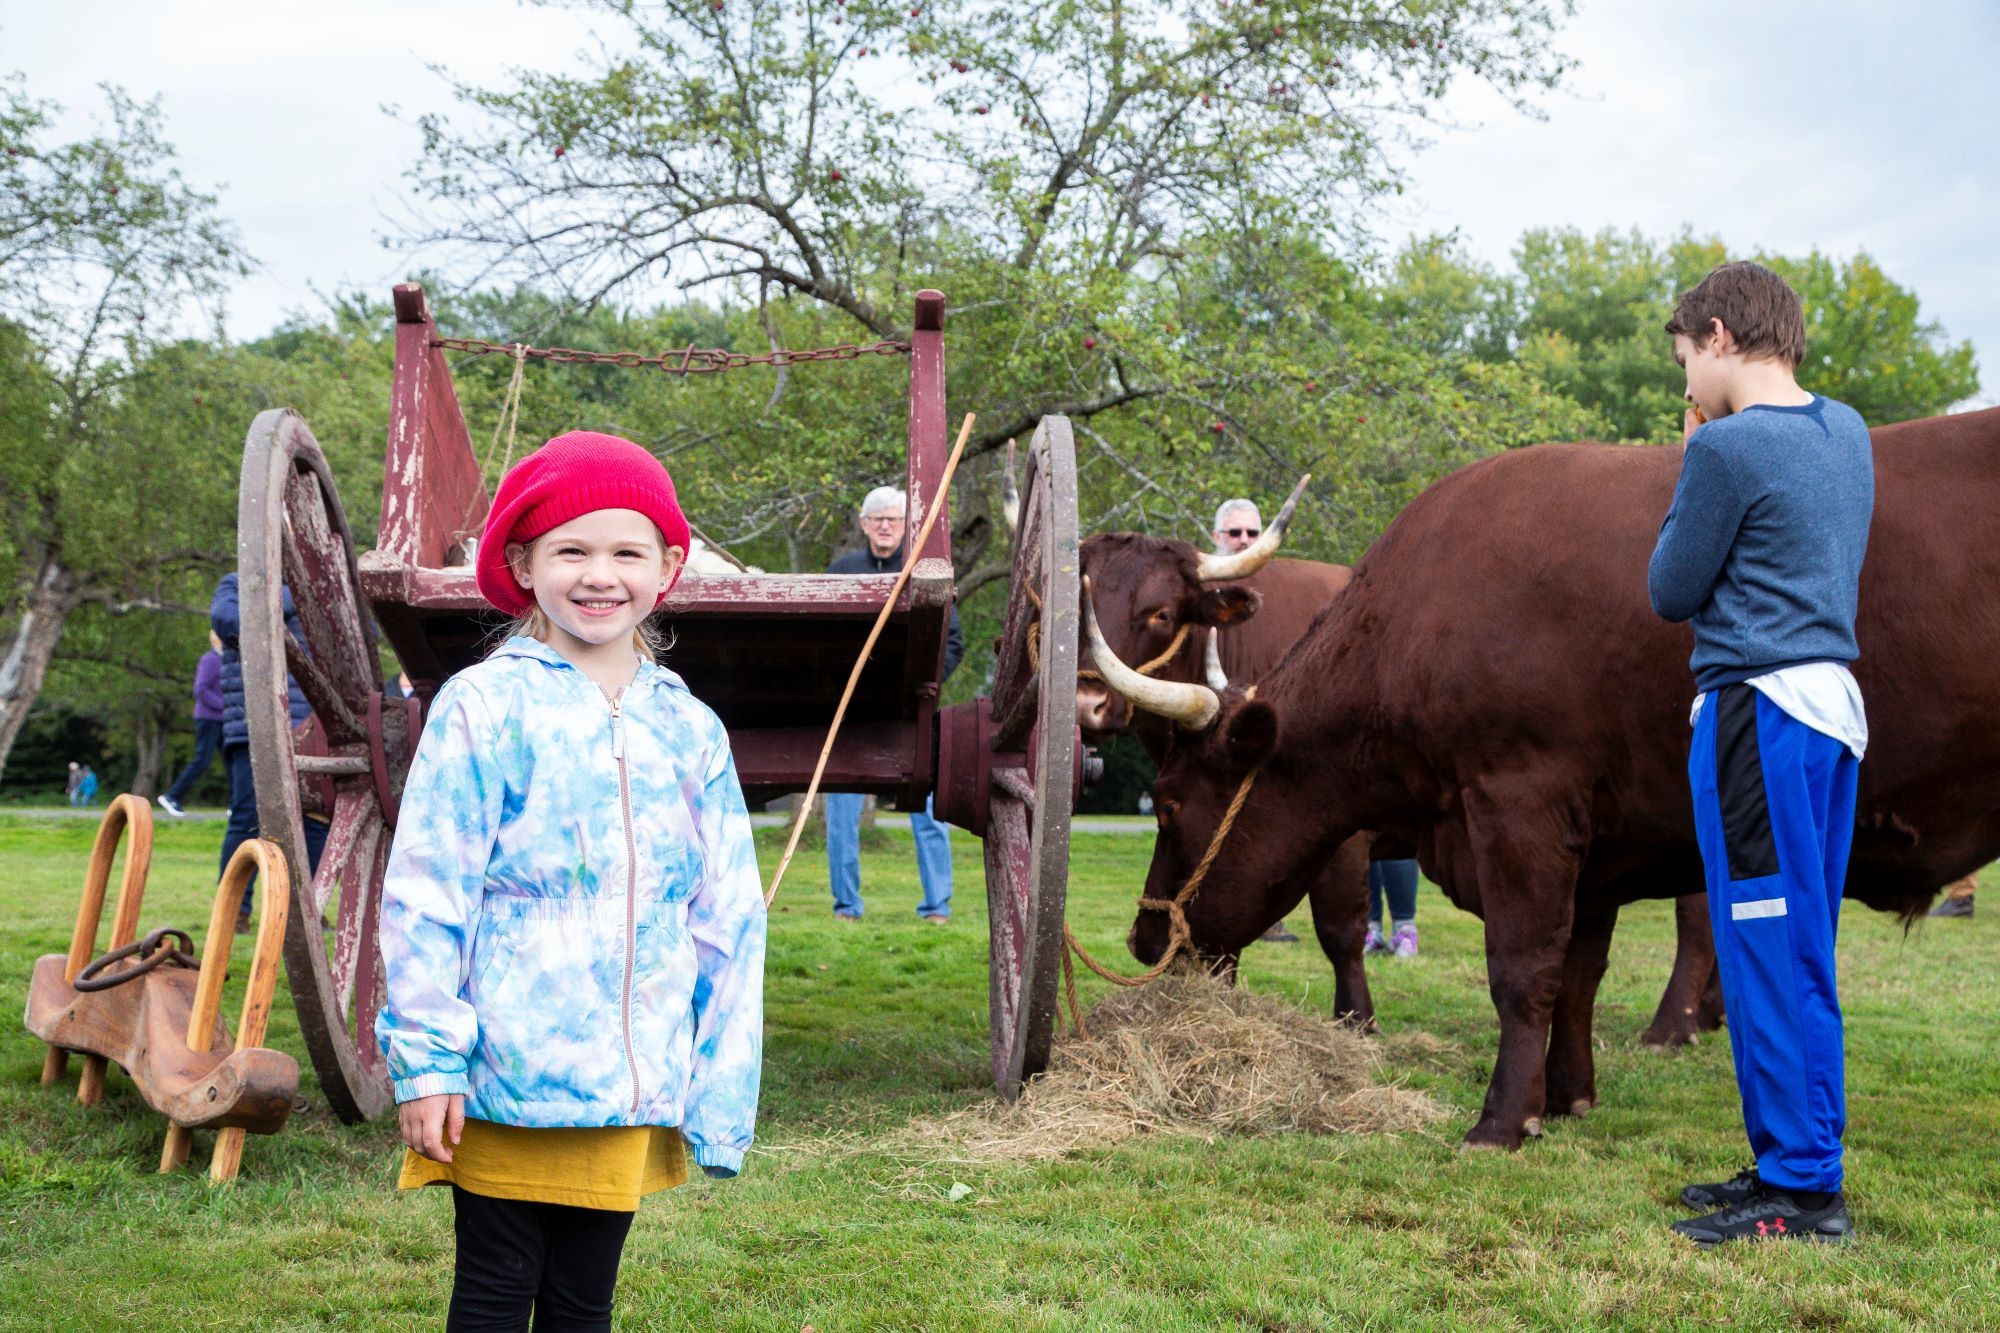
883	499
1229	507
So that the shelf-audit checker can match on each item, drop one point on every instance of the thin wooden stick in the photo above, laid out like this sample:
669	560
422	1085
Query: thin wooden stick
854	676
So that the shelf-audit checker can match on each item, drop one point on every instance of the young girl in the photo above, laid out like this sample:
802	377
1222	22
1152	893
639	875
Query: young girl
572	921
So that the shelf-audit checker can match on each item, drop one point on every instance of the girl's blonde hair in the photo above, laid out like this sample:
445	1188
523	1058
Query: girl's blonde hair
647	641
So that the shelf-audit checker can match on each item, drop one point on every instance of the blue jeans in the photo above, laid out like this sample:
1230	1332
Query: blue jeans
1399	880
843	855
243	818
207	737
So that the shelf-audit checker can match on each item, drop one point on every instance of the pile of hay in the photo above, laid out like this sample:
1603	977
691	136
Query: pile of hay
1189	1055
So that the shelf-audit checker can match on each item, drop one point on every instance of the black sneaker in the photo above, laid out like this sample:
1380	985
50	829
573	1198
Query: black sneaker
1277	934
1772	1215
1738	1189
1954	907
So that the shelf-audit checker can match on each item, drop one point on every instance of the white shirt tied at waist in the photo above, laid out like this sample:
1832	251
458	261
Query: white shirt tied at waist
1822	695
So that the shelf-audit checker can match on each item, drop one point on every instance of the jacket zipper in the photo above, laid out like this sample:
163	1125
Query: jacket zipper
631	887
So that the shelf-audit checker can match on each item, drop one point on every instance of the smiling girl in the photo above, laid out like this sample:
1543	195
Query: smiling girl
572	922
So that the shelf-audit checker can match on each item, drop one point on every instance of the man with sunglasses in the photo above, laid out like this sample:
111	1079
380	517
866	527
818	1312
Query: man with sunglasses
1237	525
884	522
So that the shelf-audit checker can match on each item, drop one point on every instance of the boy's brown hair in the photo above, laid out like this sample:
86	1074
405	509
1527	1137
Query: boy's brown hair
1758	307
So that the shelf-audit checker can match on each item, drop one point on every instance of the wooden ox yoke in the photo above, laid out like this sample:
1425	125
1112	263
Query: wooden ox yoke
156	1014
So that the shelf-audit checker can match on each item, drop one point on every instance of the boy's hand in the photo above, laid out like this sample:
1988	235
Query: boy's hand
1691	419
426	1122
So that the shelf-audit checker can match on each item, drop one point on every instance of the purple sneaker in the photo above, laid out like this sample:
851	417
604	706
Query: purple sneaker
1403	944
1373	943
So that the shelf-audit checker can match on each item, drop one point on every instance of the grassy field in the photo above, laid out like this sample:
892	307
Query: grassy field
875	1025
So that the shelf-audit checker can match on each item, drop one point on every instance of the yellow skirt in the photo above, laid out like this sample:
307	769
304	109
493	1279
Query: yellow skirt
611	1168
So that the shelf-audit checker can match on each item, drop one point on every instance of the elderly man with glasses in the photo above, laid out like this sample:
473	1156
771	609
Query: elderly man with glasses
1237	525
883	522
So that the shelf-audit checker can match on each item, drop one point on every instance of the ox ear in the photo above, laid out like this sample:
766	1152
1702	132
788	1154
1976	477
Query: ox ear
1250	733
1225	605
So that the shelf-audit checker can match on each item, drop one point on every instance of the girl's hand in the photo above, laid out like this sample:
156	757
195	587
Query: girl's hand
428	1121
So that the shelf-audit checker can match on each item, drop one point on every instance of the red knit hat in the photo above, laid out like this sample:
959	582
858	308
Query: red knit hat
571	475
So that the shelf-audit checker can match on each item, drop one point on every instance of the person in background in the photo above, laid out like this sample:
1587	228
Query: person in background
1397	880
207	726
1957	900
225	622
883	520
75	777
86	787
1237	525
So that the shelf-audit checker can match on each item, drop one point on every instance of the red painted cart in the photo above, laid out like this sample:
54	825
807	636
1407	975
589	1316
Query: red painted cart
769	652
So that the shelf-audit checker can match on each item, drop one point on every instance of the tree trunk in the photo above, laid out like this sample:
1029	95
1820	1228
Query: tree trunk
50	599
151	747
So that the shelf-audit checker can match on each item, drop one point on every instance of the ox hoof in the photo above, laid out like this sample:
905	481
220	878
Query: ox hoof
1669	1041
1490	1134
1577	1105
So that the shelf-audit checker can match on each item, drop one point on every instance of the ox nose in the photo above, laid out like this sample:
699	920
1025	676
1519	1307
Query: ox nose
1094	707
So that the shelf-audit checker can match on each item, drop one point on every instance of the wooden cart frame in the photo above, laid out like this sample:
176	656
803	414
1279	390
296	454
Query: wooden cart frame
769	652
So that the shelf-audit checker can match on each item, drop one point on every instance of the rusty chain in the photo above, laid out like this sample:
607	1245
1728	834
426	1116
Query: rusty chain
152	952
689	360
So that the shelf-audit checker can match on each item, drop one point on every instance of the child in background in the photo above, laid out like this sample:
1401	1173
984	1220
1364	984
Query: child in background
572	920
1762	550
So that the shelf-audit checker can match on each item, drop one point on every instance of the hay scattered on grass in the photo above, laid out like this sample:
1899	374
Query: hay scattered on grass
1189	1055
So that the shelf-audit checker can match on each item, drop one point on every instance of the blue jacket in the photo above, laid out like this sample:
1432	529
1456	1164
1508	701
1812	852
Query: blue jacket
572	920
224	619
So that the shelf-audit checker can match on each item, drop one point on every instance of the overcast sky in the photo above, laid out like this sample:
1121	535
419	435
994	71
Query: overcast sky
1779	125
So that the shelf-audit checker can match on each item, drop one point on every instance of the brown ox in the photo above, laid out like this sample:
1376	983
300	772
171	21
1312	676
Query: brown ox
1147	593
1494	687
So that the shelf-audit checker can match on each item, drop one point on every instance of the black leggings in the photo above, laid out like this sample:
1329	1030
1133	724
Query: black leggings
515	1256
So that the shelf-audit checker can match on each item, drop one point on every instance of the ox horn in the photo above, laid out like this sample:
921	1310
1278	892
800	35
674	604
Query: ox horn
1213	568
1010	494
1211	662
1193	706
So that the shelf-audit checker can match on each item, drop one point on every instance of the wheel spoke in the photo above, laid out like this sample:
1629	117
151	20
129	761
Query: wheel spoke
368	979
353	811
319	569
356	900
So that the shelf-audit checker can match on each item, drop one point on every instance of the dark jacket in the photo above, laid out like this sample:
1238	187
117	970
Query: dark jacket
226	621
865	561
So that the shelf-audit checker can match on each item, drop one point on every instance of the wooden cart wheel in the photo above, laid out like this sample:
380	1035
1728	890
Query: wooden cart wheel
1028	811
346	766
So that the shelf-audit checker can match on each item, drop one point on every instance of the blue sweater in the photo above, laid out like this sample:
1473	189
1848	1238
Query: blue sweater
1762	547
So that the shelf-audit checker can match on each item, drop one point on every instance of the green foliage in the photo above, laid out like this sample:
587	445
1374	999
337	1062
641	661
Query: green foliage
845	1217
1584	315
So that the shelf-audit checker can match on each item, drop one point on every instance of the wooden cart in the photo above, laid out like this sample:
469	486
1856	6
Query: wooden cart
769	652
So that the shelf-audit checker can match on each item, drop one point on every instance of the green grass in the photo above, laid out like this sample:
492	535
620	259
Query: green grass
877	1024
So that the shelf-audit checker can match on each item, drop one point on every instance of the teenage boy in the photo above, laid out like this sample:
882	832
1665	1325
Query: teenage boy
1762	551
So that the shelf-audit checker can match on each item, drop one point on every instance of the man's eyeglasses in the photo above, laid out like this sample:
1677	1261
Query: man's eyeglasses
1241	532
883	518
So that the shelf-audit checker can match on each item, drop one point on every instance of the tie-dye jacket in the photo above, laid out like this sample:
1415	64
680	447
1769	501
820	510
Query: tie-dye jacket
572	921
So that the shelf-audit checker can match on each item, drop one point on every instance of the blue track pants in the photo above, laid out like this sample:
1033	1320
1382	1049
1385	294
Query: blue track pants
1774	813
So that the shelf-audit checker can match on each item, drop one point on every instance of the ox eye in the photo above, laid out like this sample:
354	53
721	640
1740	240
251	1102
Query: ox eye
1166	810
